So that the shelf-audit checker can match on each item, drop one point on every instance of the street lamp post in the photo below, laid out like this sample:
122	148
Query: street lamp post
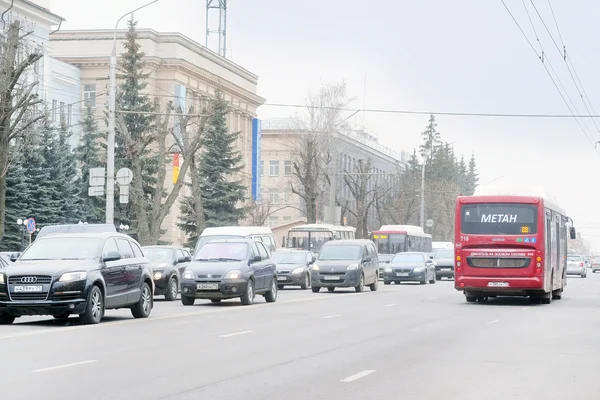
124	228
110	140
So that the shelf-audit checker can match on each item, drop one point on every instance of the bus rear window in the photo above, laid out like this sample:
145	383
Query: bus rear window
499	219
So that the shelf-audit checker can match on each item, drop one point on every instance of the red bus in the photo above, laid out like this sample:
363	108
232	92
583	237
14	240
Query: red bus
510	245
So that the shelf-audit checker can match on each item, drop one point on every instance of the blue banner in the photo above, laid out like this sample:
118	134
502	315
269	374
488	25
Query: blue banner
256	136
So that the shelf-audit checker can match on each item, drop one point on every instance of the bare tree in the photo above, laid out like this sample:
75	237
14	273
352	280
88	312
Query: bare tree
312	152
150	215
18	101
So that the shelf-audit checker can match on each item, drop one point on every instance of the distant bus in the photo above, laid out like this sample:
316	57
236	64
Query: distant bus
511	242
392	239
313	236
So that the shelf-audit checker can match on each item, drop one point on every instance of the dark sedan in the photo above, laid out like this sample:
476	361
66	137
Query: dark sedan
230	268
168	264
293	267
410	267
444	263
82	273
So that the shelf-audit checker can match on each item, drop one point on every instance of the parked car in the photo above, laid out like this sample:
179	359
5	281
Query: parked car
444	263
77	273
293	267
595	264
346	263
410	267
230	268
168	264
576	265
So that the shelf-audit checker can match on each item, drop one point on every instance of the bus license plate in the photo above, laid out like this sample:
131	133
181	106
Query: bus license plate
498	284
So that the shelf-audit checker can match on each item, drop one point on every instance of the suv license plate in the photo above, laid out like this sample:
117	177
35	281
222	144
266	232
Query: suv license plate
498	284
28	289
331	278
207	286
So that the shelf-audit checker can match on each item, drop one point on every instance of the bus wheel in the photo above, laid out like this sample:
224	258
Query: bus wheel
547	298
557	294
471	299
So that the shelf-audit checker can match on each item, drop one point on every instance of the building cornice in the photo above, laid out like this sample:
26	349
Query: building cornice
155	63
158	37
36	10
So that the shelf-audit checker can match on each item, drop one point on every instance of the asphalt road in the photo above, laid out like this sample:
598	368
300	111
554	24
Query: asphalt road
403	341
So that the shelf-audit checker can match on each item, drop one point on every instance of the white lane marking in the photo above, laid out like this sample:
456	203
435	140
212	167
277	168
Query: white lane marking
493	322
75	364
172	316
432	298
332	316
391	305
236	334
361	374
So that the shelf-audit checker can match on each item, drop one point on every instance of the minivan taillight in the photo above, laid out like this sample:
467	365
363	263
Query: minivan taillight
581	264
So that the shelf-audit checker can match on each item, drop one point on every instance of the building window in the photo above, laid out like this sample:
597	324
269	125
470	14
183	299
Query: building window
274	168
54	111
287	218
262	167
287	167
273	220
273	196
62	112
69	114
89	95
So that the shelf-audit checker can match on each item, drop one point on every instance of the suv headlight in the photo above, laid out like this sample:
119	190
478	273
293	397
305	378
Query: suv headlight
353	266
233	274
2	279
158	275
419	269
189	275
298	271
73	276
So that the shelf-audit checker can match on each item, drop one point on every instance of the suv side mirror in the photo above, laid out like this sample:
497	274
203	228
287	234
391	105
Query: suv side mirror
572	233
14	257
187	259
367	259
256	258
181	260
312	260
112	256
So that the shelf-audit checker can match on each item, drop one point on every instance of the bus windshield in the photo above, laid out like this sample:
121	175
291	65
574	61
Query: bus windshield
308	240
391	243
499	219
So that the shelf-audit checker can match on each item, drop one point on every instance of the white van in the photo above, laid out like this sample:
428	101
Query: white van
261	233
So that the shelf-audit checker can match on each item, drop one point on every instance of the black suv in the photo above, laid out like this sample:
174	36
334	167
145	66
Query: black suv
77	273
230	268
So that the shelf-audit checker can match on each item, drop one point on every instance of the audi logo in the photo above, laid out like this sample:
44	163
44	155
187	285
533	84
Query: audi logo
28	279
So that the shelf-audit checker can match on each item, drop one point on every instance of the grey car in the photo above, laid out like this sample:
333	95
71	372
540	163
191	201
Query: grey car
346	263
576	266
444	263
384	261
410	267
293	267
230	268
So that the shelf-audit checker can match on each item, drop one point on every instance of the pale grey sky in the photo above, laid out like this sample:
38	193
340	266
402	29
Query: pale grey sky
430	55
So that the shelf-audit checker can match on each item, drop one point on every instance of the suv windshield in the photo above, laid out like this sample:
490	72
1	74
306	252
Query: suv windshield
222	251
283	257
158	254
332	253
445	253
72	248
498	219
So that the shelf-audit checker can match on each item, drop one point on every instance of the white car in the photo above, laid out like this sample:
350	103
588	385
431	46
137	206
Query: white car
576	266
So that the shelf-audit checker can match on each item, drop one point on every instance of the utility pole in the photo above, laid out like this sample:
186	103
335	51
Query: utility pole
110	140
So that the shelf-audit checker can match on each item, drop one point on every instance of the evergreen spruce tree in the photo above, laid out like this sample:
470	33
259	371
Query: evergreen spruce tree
472	177
17	194
131	97
219	163
88	154
44	177
462	175
431	138
69	180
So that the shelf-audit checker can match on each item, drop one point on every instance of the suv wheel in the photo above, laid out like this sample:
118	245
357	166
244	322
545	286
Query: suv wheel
6	319
361	284
248	296
172	290
271	295
373	286
316	289
187	300
94	311
142	308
